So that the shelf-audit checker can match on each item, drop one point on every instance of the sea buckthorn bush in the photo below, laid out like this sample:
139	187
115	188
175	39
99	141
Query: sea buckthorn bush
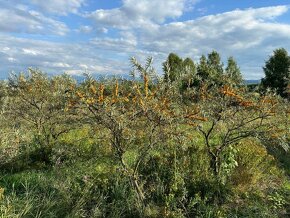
188	145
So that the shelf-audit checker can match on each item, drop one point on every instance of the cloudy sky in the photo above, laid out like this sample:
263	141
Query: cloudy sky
99	36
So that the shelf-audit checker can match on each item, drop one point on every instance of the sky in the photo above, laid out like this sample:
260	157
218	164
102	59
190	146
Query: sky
100	36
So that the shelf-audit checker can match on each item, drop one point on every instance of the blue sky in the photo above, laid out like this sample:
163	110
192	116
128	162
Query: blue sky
99	36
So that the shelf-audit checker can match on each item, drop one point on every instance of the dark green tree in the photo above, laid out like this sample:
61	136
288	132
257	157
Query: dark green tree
172	67
189	66
215	64
210	69
233	73
188	76
203	68
277	72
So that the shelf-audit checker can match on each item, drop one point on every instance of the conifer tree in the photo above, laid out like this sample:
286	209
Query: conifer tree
233	72
277	72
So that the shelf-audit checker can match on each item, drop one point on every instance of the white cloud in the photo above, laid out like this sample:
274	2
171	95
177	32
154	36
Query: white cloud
29	21
85	29
60	7
232	30
115	44
31	52
156	11
18	54
140	13
103	30
247	35
10	59
141	29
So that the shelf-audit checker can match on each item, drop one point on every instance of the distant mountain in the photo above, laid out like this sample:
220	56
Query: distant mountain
81	78
250	82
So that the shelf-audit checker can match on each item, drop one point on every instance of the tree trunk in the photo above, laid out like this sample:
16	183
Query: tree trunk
215	164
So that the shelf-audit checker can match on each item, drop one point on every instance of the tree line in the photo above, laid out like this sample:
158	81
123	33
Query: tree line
211	68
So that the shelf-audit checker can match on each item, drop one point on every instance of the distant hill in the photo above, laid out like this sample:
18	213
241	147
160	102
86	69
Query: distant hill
250	82
81	78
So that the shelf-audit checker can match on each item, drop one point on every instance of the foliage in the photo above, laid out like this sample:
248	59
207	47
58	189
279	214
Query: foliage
277	72
38	103
197	145
172	67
